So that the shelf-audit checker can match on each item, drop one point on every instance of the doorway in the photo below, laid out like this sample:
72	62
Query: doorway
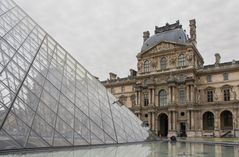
163	125
183	129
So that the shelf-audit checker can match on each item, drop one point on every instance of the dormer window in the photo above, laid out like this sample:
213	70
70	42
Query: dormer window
146	66
225	76
181	60
209	78
163	63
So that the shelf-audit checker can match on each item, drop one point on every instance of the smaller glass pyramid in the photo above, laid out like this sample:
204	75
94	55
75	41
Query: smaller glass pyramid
47	99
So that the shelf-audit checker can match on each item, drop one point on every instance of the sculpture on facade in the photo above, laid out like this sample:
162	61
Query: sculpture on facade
139	65
234	94
215	96
132	98
172	59
154	63
199	97
217	59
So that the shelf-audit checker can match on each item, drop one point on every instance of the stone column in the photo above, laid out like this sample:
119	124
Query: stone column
173	94
153	96
137	98
187	93
174	121
150	96
149	119
192	120
153	121
170	95
188	120
217	124
169	121
192	94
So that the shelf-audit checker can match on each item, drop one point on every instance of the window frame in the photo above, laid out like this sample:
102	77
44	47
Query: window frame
146	66
163	99
225	76
146	99
182	98
209	78
181	60
163	63
226	94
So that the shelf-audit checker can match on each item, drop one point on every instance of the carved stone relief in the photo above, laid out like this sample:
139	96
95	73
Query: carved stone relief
189	57
139	65
154	63
172	59
132	98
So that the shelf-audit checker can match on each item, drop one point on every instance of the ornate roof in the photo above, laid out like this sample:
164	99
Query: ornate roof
171	33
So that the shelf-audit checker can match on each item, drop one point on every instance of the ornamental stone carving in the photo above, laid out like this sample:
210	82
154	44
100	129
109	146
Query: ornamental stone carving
234	93
139	65
154	63
172	59
132	98
122	99
189	57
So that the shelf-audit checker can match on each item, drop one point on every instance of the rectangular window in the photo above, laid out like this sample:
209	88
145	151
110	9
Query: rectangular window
146	100
226	95
209	78
209	96
181	96
225	76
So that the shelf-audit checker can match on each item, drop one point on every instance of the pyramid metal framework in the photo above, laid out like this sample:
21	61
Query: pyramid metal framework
47	99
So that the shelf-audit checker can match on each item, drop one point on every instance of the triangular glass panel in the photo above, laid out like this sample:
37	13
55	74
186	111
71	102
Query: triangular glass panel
95	140
82	129
60	140
16	129
64	129
35	141
79	140
43	129
8	142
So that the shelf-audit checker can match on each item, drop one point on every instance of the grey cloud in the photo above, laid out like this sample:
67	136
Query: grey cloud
105	36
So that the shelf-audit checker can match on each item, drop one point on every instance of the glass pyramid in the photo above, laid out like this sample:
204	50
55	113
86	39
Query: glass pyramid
47	99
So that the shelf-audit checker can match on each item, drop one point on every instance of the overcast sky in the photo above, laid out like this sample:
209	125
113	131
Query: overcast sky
106	35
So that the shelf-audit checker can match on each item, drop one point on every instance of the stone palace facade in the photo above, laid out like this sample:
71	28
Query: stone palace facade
174	93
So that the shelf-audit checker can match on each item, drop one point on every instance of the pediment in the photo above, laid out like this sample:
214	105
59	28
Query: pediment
162	46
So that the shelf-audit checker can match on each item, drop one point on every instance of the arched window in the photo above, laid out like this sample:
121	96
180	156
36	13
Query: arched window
163	98
208	121
181	60
226	120
146	66
163	63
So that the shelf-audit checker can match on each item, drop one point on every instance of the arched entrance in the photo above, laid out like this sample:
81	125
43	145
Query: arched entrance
226	120
163	125
208	121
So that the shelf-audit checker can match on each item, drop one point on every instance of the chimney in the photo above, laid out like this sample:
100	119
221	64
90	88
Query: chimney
132	72
217	59
193	34
146	35
113	76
